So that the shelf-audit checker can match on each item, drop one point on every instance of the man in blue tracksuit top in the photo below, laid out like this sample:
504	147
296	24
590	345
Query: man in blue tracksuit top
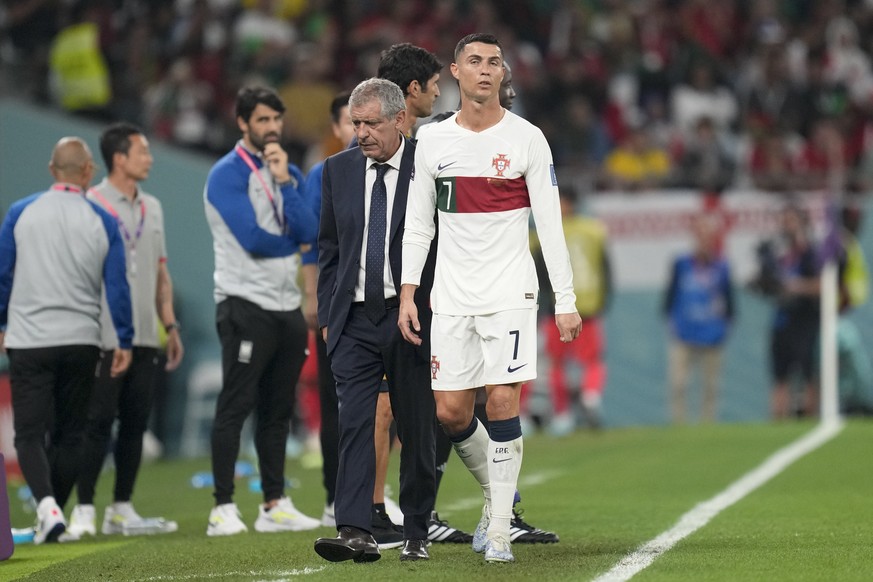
699	305
57	250
260	222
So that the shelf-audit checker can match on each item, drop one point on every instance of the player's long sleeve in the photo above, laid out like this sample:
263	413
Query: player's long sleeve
419	228
545	205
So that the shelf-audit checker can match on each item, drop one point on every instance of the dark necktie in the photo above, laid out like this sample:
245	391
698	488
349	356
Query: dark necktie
374	286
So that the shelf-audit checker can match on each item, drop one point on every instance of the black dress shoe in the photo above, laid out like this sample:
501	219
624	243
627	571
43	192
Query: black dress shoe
351	544
414	550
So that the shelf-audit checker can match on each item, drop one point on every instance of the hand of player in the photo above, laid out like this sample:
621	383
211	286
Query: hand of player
407	318
2	342
277	162
175	350
324	333
120	362
569	325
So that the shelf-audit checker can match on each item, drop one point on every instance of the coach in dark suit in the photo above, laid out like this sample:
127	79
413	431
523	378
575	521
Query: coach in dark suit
364	192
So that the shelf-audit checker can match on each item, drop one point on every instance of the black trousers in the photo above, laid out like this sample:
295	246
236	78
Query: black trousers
329	434
51	388
365	352
262	353
128	398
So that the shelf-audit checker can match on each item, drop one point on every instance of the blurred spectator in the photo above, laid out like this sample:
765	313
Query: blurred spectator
175	109
855	369
770	163
308	94
581	141
705	163
665	63
846	62
26	30
592	281
264	40
773	99
710	27
699	307
821	97
636	164
821	164
79	75
701	96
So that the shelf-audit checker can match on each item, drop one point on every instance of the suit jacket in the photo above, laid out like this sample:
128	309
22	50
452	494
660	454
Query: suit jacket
341	235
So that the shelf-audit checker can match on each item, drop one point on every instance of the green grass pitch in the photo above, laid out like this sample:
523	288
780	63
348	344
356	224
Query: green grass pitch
605	494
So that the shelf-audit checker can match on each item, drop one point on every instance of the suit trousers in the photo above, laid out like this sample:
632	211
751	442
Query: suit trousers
364	353
329	432
262	353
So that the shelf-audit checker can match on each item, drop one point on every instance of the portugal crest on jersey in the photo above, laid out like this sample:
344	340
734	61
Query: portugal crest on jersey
501	164
434	367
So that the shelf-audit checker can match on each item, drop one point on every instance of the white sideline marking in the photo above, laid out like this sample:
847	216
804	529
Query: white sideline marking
271	575
702	513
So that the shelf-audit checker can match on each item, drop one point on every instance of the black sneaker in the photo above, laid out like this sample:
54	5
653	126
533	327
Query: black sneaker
521	532
386	534
440	531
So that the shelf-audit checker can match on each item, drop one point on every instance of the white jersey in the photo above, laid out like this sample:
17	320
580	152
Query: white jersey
485	186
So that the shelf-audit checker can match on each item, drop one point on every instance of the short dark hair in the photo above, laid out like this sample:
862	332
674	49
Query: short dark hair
339	101
483	37
250	97
115	139
404	63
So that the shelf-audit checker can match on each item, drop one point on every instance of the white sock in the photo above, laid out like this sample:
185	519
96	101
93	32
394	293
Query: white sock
473	452
504	465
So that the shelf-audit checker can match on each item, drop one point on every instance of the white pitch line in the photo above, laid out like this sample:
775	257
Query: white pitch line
272	575
702	513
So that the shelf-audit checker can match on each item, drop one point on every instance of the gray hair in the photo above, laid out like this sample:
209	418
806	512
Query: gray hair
390	96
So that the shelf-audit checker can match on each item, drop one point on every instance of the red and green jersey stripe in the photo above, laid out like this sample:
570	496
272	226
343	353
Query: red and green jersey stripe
460	194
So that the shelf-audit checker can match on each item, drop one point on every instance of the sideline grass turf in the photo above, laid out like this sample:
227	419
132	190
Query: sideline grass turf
605	494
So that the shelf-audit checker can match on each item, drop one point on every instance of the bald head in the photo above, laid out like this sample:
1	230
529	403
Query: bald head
72	162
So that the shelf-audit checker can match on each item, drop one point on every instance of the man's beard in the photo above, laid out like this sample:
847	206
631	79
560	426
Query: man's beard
260	142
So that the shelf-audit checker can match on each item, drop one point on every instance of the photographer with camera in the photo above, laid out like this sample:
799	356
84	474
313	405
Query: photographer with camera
789	276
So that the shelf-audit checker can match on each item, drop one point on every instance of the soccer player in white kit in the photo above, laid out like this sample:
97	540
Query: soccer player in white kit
484	170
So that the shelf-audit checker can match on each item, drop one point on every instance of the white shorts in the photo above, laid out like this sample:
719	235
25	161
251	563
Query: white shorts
468	351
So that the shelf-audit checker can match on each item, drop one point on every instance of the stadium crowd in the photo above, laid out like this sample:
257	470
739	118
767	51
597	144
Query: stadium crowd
631	94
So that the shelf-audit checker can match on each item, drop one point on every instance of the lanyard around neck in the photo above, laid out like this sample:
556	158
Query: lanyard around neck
67	188
124	232
242	153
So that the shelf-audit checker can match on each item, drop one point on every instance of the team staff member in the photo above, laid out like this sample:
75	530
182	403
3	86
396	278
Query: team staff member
362	215
259	223
57	251
140	218
484	170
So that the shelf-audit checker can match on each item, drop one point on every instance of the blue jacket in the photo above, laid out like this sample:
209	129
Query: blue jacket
699	301
257	239
57	250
